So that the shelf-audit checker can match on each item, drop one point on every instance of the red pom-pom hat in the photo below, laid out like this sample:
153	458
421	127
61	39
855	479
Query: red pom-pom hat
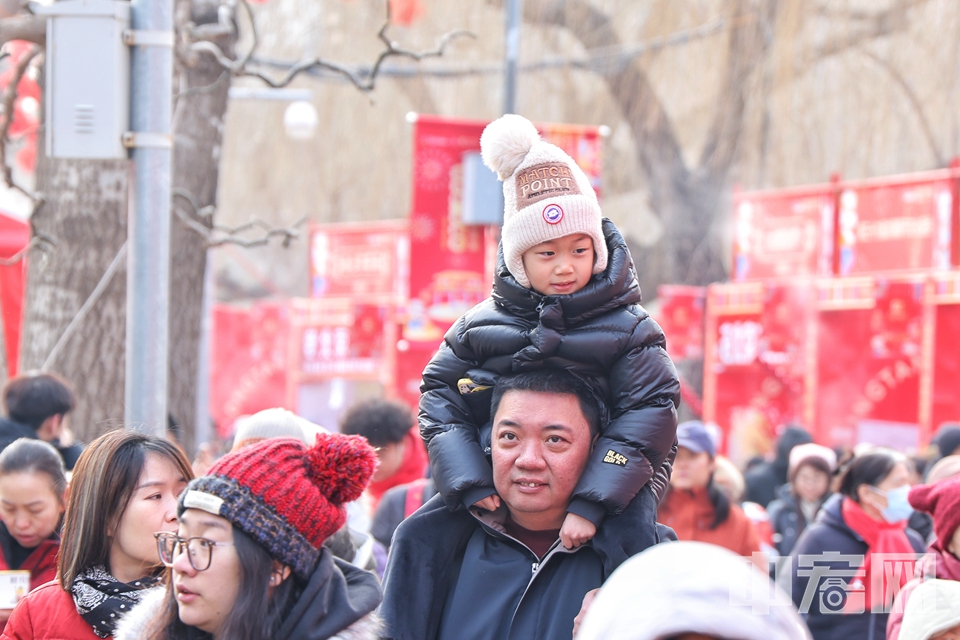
285	495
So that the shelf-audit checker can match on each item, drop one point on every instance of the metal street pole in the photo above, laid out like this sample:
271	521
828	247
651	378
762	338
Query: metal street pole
148	232
514	11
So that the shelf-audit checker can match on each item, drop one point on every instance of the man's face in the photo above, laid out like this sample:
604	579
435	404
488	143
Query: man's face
541	444
391	459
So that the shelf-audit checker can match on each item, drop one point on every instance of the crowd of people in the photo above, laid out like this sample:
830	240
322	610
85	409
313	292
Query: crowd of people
544	490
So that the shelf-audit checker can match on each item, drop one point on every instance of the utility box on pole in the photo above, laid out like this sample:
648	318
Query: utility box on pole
87	78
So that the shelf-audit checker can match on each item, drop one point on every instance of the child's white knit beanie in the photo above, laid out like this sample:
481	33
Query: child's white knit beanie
546	195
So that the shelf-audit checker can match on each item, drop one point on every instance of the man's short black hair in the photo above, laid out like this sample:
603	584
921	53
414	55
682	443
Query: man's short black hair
550	381
32	398
381	422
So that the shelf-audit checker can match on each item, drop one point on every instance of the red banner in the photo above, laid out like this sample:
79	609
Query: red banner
366	261
868	363
681	318
248	366
784	233
900	225
754	375
945	367
338	338
14	237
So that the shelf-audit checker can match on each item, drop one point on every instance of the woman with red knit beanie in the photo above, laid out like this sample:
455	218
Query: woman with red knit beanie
942	501
248	562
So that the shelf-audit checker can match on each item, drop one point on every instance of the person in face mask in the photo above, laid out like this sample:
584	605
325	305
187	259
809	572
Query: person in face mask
840	581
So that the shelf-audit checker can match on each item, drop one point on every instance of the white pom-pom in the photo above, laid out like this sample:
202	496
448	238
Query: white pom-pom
505	143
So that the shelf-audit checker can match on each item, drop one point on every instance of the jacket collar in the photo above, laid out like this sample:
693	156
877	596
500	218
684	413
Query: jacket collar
615	286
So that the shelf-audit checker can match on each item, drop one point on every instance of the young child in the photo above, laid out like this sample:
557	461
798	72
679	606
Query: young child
565	295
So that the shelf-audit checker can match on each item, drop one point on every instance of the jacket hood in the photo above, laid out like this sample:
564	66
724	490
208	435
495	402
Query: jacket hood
615	286
791	437
338	596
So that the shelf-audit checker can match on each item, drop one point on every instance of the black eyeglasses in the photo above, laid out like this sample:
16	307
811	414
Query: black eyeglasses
199	550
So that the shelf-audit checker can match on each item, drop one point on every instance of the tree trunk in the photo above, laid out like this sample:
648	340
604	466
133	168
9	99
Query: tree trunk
198	134
692	203
84	214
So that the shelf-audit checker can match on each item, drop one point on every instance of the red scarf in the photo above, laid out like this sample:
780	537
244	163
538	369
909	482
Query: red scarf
881	537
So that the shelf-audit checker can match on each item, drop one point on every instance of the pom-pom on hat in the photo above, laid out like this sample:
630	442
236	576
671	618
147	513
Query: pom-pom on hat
942	501
546	195
285	495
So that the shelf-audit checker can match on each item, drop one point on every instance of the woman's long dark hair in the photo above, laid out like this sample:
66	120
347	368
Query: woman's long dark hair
869	469
103	483
256	614
720	502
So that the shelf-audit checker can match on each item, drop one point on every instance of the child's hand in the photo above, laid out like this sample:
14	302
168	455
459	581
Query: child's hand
576	531
490	503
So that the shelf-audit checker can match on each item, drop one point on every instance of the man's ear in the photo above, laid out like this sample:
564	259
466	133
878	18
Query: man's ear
278	573
49	427
65	498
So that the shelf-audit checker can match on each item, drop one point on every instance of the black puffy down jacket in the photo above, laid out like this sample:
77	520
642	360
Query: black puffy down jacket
601	334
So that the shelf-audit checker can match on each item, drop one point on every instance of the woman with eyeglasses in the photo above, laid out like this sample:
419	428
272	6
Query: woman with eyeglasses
247	561
850	563
124	489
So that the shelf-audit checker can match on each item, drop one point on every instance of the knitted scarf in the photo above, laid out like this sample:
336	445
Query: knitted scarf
101	599
882	537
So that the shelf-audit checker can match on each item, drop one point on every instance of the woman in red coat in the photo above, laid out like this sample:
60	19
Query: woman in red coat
124	488
33	487
694	507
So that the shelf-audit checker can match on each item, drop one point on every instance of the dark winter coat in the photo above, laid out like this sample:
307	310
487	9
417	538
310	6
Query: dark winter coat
786	519
11	430
829	533
763	480
393	508
337	602
600	333
431	547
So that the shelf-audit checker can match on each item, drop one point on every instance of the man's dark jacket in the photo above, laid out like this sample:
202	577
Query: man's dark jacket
601	334
11	430
763	480
428	550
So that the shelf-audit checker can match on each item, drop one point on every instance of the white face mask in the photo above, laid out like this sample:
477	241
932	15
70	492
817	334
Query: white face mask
898	506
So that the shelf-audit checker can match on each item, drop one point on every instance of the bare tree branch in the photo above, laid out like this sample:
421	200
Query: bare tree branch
364	80
653	131
868	27
37	241
915	102
24	27
750	38
9	98
218	235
